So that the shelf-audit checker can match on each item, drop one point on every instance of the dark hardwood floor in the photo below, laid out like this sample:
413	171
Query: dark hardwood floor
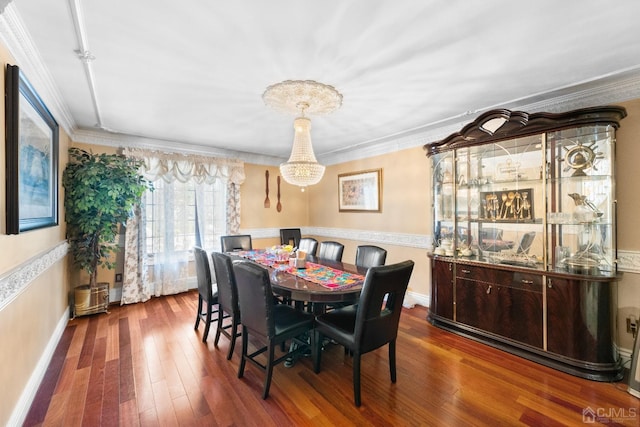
143	364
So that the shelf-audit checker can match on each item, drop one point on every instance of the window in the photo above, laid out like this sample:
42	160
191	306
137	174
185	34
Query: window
182	215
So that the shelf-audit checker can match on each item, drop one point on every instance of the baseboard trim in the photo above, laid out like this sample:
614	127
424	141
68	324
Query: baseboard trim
21	409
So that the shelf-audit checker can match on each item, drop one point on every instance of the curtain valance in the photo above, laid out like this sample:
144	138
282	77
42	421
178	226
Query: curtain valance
183	167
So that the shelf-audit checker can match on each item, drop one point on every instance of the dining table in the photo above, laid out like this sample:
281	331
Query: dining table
320	282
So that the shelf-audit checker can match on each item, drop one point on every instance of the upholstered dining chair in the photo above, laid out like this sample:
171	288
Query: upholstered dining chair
290	236
331	250
370	256
236	242
267	322
309	245
227	300
206	297
370	324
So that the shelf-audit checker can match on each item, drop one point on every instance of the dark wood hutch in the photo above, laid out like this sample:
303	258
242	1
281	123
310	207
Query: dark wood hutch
524	236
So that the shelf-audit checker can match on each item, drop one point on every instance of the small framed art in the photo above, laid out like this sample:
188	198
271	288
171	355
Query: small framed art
360	191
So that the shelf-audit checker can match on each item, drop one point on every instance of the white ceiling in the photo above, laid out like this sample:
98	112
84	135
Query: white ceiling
191	74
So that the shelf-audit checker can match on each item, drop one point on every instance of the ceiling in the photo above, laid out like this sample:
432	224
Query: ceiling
157	73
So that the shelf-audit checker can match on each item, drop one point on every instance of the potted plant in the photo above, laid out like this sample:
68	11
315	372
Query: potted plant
100	193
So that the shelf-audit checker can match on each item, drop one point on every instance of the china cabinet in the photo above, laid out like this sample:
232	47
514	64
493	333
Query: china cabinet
524	236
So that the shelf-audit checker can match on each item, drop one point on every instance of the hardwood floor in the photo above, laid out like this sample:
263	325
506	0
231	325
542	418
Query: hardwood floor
143	364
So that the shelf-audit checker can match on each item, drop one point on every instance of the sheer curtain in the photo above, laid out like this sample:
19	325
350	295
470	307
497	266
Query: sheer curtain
159	264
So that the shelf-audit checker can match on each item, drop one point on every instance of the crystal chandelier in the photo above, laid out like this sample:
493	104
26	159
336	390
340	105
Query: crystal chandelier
303	97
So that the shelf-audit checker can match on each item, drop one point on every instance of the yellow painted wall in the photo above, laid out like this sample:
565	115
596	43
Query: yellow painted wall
405	207
628	196
27	322
295	205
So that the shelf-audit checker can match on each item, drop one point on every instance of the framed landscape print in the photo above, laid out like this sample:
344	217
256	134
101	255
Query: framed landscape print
31	156
360	191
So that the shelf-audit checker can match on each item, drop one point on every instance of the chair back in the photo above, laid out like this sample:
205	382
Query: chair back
370	256
226	281
331	250
237	242
255	298
308	245
290	236
376	319
203	273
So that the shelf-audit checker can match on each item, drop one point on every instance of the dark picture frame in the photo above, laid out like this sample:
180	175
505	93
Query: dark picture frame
31	150
507	205
360	191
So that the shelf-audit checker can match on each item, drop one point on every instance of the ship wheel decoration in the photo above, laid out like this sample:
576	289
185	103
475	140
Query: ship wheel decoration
580	157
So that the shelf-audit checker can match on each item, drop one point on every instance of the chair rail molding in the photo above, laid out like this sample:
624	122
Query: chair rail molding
16	280
629	261
421	241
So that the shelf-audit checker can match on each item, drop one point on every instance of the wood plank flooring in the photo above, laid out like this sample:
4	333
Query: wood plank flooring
144	365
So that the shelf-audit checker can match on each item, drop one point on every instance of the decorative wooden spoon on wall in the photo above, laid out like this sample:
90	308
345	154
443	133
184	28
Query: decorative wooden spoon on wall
267	203
279	205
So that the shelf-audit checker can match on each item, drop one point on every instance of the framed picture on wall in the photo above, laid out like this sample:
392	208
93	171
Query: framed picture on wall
360	191
31	157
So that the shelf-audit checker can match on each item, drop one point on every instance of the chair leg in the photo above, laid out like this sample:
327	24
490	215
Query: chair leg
356	378
392	360
218	328
207	322
269	370
243	356
199	311
316	350
234	335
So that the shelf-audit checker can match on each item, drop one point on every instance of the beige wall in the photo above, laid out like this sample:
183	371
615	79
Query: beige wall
295	203
627	192
405	207
28	322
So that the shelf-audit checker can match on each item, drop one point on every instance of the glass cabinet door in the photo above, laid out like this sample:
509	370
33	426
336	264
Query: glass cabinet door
581	201
500	202
443	179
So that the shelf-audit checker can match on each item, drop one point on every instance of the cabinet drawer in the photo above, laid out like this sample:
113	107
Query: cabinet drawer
519	280
478	274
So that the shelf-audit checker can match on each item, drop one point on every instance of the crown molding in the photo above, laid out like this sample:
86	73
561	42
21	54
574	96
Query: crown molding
612	88
17	40
119	140
615	87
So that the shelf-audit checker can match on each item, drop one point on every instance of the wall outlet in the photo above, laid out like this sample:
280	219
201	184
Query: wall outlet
632	325
119	279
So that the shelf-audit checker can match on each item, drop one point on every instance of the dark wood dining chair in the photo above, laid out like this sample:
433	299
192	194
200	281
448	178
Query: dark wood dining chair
331	250
370	324
236	242
227	301
308	245
207	299
290	236
370	256
267	322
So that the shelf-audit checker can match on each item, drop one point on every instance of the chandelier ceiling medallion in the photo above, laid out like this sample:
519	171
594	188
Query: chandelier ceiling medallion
302	97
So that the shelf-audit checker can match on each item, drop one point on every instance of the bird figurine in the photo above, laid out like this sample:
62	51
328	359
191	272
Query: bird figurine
581	200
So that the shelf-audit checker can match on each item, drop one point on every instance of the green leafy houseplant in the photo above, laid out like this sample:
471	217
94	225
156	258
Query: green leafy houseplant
101	191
